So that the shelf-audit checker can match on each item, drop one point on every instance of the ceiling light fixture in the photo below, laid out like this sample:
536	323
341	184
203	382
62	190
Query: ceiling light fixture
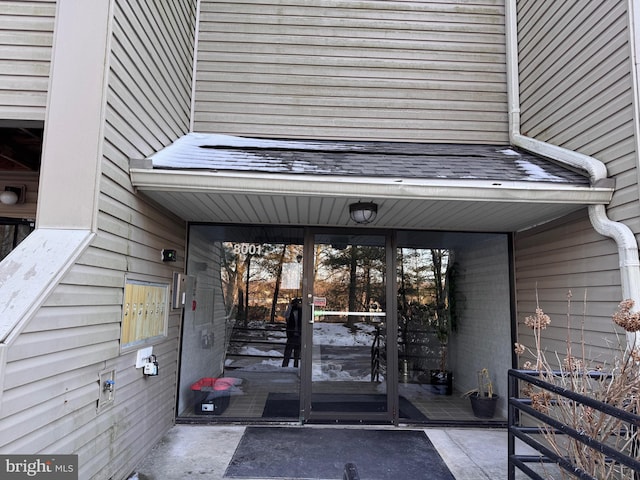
363	212
12	195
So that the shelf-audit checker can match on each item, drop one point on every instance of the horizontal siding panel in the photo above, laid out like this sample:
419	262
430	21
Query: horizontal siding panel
131	135
146	218
47	411
579	277
53	318
627	212
364	62
26	36
574	236
101	258
424	15
90	275
49	341
442	108
295	47
38	70
40	367
399	132
585	133
590	257
436	82
437	39
22	101
580	101
70	295
556	305
118	174
265	72
39	57
391	119
29	395
15	82
305	75
243	112
451	93
111	243
562	257
26	46
621	155
598	354
624	200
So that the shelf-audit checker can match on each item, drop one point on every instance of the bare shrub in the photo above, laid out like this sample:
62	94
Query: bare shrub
616	385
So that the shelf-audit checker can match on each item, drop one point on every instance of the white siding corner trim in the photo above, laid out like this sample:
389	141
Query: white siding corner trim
31	271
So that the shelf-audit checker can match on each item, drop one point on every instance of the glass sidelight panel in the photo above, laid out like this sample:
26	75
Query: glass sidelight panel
348	314
236	334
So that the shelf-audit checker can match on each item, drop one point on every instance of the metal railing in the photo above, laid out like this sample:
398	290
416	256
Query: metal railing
539	423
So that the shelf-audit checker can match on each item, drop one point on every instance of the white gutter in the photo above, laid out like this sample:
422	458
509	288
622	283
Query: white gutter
619	232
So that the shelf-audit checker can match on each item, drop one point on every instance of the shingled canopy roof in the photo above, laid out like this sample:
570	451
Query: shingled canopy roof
220	178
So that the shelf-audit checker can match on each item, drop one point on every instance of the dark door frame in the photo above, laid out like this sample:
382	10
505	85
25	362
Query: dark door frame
391	323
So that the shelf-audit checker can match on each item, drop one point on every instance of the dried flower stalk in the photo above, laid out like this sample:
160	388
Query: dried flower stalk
620	387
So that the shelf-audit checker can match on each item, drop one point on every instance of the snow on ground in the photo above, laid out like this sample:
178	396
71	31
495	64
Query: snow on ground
340	335
351	362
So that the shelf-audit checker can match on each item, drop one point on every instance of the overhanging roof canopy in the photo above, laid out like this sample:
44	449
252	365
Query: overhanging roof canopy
224	179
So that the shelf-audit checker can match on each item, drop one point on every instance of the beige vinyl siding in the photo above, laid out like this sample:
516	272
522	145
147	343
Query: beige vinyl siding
393	70
76	334
576	92
576	87
568	263
26	34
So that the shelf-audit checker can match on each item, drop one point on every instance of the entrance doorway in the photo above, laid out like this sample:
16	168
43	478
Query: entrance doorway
330	325
347	358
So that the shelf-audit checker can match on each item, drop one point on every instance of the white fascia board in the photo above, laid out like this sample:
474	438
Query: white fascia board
373	187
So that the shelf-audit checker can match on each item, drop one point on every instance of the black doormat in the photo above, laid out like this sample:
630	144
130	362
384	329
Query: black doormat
322	453
287	405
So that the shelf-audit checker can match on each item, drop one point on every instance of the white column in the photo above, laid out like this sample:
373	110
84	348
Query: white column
74	121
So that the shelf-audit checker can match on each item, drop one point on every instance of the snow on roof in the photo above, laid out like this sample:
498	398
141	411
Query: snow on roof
361	158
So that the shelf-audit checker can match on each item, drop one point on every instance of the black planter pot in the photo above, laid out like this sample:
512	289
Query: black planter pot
483	407
441	382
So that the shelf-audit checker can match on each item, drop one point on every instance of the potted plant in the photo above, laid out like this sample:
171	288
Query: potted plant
483	399
441	320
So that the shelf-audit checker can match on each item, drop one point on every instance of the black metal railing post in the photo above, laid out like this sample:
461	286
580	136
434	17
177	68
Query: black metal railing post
544	422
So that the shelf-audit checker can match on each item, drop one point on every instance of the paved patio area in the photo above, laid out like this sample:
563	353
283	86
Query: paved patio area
204	451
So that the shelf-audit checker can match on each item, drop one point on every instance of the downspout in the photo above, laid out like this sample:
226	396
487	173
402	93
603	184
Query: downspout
619	232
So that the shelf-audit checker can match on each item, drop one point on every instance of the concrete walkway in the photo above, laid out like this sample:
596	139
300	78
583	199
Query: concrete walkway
203	452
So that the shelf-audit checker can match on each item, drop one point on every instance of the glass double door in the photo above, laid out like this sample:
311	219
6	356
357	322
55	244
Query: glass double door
316	324
346	359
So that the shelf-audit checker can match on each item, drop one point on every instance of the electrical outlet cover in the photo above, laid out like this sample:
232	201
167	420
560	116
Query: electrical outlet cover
142	356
